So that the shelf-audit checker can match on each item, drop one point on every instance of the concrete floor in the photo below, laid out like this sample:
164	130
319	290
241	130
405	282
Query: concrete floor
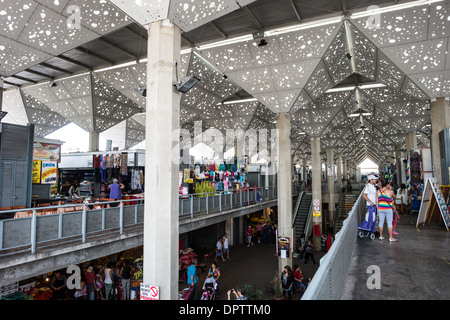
417	267
254	265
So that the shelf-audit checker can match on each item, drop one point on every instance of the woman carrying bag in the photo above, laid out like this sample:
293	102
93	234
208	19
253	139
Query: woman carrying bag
386	209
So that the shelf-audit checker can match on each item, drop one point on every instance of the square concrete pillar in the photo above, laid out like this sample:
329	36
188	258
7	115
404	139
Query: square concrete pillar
440	119
330	179
284	178
339	168
161	218
316	189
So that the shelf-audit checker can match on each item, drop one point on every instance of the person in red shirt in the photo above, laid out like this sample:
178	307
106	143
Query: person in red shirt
90	282
298	279
249	234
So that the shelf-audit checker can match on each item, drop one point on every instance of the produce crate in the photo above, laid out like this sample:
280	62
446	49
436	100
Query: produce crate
15	296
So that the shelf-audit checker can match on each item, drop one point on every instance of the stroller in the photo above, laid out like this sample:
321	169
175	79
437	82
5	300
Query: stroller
209	289
367	227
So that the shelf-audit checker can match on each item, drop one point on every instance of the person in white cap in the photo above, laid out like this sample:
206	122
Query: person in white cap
370	192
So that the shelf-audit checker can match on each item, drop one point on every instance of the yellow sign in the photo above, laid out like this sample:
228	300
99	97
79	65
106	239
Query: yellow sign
316	213
187	175
36	175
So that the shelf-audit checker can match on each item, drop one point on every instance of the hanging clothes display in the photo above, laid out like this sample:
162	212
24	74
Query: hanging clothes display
124	164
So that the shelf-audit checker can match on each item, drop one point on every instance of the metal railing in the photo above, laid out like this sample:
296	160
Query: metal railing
330	278
297	206
78	221
204	203
67	223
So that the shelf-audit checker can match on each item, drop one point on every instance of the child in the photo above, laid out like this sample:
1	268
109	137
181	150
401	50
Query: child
99	283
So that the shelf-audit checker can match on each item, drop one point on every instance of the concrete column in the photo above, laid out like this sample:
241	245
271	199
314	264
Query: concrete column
411	141
94	141
330	179
440	119
316	189
284	183
1	93
242	229
304	170
339	168
344	171
161	217
238	148
229	229
398	155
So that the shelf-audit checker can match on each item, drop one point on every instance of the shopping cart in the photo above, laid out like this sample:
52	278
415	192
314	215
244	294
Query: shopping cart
367	226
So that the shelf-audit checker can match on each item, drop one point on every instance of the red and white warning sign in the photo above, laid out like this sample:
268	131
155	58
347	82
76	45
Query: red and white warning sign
149	292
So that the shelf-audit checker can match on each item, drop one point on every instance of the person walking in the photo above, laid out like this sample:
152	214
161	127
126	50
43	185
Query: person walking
226	247
249	234
108	280
125	273
192	279
401	199
302	246
370	192
266	233
214	272
386	208
259	229
219	249
309	252
99	283
90	282
287	281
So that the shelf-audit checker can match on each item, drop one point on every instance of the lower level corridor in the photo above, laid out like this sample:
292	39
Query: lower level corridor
414	268
254	266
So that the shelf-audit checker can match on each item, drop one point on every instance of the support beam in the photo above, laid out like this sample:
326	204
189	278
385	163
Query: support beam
219	31
94	141
297	13
1	93
24	79
411	141
252	17
93	54
75	62
330	180
113	46
161	217
339	168
440	119
49	66
316	190
284	178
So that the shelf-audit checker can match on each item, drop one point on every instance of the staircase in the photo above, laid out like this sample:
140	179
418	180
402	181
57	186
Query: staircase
301	216
346	202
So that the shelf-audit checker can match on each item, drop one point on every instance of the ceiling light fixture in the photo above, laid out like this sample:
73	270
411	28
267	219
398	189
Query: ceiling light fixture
390	8
239	101
359	112
186	83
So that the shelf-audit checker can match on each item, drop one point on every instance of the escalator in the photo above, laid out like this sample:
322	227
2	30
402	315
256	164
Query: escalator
300	214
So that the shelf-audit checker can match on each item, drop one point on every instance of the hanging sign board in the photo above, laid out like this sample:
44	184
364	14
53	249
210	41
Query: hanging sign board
283	247
49	172
316	213
330	170
432	191
149	292
46	151
36	174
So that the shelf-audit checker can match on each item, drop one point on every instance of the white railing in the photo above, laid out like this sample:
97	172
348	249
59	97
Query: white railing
329	280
